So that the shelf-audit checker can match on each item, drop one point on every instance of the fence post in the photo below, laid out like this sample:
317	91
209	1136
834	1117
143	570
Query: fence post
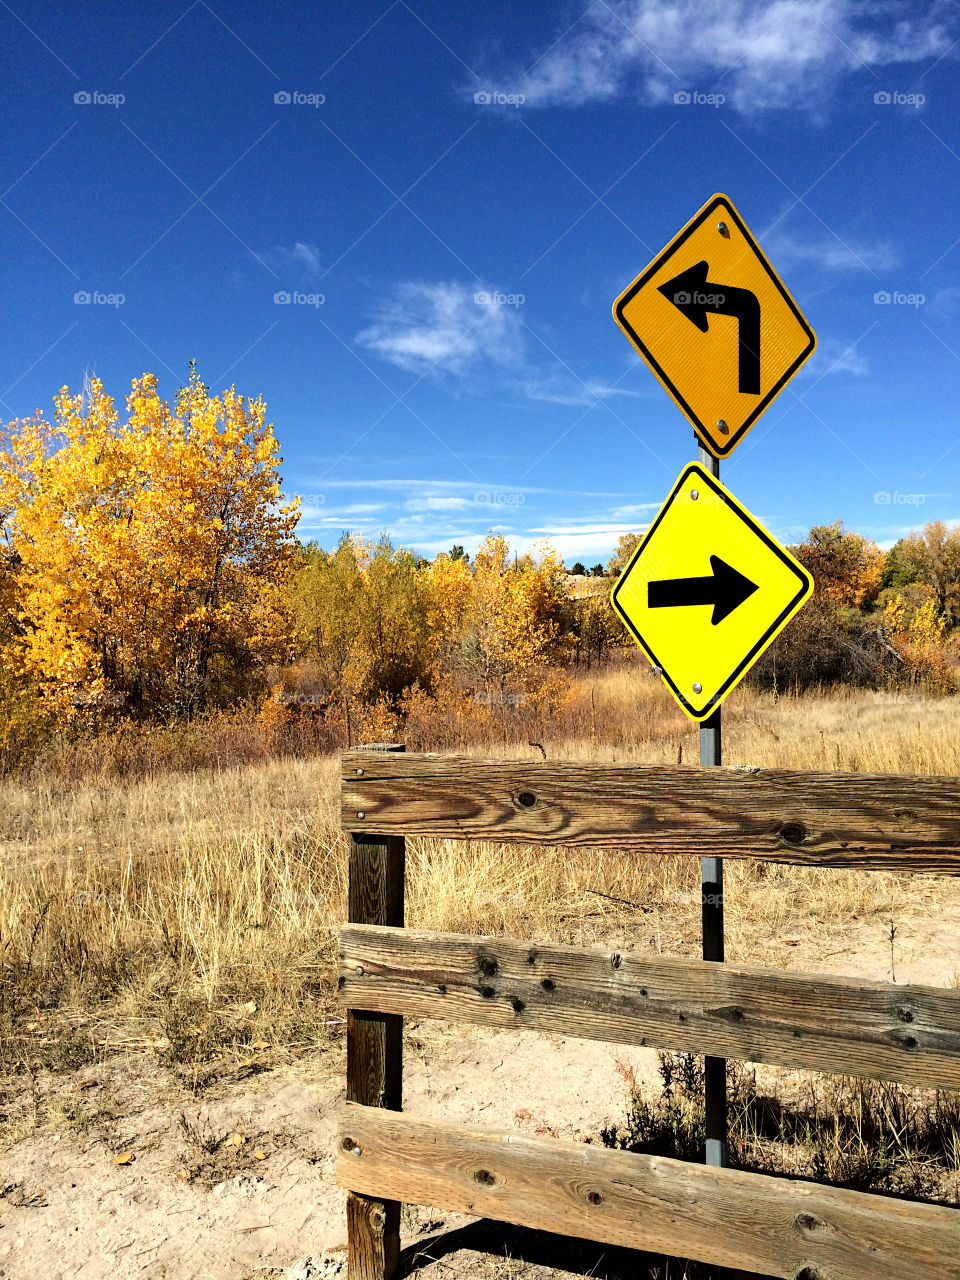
374	1044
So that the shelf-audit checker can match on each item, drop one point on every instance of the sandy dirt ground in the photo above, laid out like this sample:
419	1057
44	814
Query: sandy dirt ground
269	1206
264	1205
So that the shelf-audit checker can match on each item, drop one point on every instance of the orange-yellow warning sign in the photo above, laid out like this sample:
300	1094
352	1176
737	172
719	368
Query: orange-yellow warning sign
716	325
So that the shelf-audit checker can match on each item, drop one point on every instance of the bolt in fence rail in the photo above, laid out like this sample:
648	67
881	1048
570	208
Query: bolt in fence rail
725	1217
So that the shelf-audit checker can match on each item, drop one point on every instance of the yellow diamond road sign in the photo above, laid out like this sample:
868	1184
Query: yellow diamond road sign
714	322
706	591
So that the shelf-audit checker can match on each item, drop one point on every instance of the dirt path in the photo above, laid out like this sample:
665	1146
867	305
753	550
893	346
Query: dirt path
269	1207
265	1206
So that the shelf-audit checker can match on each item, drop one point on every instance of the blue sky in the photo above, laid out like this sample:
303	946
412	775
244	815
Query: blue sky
387	166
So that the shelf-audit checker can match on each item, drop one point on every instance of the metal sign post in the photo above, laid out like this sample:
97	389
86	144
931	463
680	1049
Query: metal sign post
711	892
719	330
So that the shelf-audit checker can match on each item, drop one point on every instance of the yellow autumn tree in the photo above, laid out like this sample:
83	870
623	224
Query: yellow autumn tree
847	567
514	630
917	633
150	553
363	619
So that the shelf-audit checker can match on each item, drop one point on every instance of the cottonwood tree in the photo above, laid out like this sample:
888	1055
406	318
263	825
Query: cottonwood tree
847	568
150	552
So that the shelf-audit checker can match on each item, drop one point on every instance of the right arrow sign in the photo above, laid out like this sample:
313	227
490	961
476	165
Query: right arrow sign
706	591
723	588
716	325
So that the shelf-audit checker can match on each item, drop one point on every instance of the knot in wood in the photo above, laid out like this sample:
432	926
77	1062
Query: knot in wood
595	1197
487	964
809	1222
905	1015
793	832
527	799
484	1177
548	984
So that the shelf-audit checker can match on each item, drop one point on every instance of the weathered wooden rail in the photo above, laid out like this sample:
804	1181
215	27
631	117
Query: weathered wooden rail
762	1224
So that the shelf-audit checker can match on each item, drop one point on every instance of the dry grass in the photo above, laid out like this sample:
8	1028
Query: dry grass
194	913
220	887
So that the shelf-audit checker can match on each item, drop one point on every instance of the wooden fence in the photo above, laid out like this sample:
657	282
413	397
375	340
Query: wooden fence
754	1222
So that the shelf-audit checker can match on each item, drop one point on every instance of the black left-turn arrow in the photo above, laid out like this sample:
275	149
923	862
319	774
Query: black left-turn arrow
724	588
693	297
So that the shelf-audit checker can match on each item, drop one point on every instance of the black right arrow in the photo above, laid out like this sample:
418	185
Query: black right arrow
724	588
694	297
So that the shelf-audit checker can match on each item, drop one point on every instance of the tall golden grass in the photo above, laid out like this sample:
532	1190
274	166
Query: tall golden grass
146	906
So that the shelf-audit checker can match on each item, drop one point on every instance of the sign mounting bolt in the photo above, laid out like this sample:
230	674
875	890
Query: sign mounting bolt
722	228
722	426
361	814
694	495
698	688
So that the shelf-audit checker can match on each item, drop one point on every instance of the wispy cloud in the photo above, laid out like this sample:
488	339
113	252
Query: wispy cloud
827	253
428	503
298	261
760	53
837	356
566	390
445	327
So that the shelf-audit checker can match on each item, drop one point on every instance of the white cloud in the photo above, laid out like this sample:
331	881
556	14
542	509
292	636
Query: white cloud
566	390
427	503
850	361
440	326
590	545
835	357
299	260
620	513
585	530
759	53
828	253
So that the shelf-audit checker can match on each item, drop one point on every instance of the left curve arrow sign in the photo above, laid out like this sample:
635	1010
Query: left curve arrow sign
693	296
